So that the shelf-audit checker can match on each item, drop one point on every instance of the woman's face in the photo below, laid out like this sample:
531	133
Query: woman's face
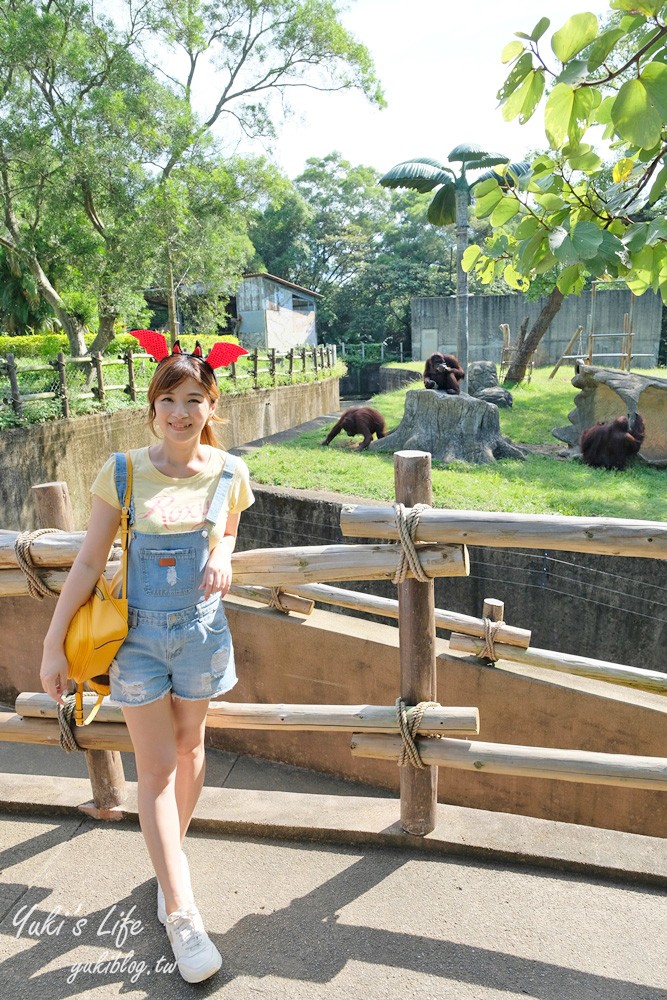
182	412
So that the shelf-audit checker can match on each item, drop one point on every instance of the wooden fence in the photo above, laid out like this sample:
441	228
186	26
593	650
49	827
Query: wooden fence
439	540
313	362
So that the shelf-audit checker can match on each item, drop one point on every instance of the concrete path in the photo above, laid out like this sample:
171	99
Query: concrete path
296	920
342	906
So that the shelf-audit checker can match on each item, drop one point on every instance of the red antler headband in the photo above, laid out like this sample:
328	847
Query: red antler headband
220	355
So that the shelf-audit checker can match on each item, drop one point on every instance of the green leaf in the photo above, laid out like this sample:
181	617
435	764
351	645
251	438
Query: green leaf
539	29
485	206
635	236
588	161
658	185
483	187
545	263
602	46
470	257
532	249
654	78
568	278
519	72
525	98
550	202
586	239
657	231
497	247
645	7
527	228
635	116
504	211
511	51
558	112
513	278
574	73
574	36
442	210
420	175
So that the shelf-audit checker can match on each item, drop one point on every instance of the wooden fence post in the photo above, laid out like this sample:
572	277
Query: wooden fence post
97	361
17	405
59	365
105	767
416	631
291	364
131	388
255	365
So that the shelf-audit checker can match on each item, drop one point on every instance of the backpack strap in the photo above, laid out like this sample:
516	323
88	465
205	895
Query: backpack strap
120	479
225	481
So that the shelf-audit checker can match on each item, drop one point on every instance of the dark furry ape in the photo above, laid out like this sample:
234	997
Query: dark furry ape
611	444
443	372
359	420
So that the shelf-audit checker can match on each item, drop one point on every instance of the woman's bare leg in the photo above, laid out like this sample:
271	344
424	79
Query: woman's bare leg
189	730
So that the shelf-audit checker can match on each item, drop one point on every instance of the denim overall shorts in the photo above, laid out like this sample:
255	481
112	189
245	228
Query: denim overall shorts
176	641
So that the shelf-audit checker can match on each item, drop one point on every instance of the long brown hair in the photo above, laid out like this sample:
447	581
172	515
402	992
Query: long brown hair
170	373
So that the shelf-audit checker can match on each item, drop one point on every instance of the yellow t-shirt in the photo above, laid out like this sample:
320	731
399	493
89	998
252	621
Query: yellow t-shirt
163	504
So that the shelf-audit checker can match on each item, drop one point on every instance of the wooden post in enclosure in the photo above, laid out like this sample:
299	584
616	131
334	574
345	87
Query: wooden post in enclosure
416	630
99	391
255	366
59	365
131	388
14	383
105	767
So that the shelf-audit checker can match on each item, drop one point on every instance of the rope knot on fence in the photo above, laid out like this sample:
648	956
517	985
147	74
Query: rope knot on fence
36	586
408	728
276	601
407	528
65	716
491	629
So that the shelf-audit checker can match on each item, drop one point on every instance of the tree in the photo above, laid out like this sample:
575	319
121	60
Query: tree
449	205
89	105
564	219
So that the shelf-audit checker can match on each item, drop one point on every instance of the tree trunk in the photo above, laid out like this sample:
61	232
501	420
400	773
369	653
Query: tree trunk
517	369
172	308
105	332
69	323
462	201
451	428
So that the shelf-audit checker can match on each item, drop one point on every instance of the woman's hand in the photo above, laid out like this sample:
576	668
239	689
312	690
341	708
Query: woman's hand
218	572
53	673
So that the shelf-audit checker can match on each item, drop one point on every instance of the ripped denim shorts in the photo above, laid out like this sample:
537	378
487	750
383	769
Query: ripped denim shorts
187	652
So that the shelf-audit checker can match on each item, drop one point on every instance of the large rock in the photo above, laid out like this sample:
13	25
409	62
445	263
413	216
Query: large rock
606	394
483	384
451	428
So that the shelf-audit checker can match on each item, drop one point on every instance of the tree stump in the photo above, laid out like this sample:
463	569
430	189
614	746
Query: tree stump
451	428
606	394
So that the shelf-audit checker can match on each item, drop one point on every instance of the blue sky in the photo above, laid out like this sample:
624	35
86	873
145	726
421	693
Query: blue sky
439	63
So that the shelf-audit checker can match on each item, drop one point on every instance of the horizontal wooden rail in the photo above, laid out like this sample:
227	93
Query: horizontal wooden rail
388	608
614	673
532	762
107	736
316	718
279	567
599	535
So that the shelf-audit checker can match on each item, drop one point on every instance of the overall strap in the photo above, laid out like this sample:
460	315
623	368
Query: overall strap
224	483
123	481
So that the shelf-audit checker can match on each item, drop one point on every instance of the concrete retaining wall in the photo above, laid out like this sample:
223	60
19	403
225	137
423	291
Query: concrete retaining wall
600	606
73	450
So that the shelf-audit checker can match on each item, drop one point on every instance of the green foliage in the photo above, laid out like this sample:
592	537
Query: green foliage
566	218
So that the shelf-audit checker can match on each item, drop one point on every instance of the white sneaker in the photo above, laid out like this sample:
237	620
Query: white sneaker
187	885
196	955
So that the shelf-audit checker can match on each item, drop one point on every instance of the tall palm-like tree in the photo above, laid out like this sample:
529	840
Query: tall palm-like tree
450	204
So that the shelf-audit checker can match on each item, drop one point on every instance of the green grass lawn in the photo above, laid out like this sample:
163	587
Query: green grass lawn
542	484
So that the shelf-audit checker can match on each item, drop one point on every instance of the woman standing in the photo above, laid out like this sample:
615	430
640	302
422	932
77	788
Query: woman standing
187	498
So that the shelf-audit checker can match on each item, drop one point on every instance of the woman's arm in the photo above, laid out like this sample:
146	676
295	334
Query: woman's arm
218	572
79	585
